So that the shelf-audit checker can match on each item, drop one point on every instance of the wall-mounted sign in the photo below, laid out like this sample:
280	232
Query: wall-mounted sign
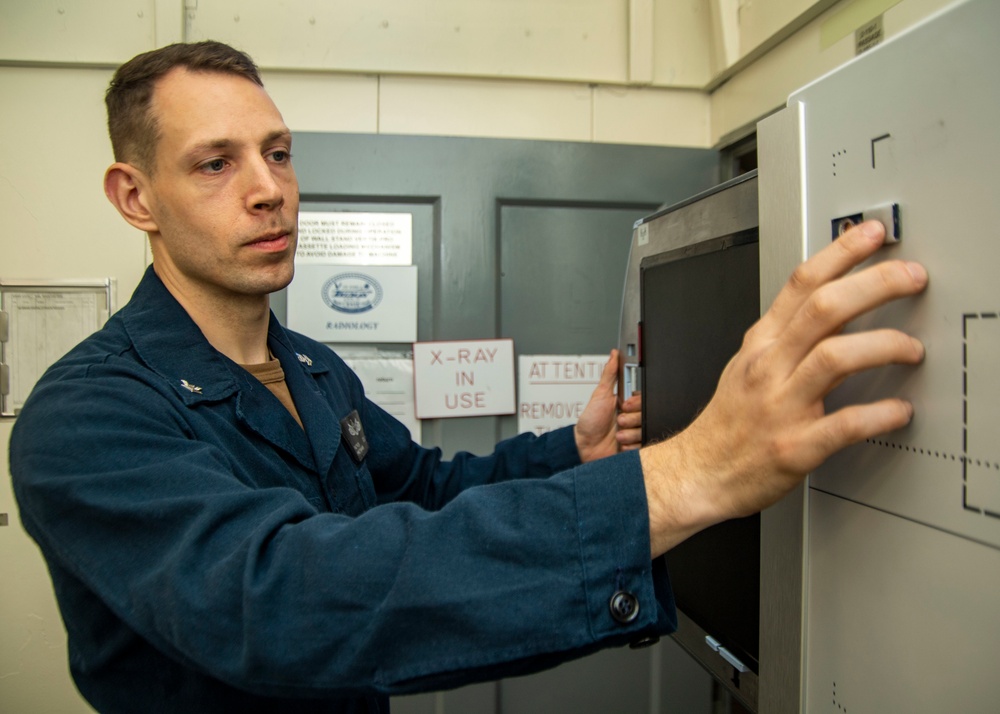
352	303
388	381
348	238
467	378
40	321
553	390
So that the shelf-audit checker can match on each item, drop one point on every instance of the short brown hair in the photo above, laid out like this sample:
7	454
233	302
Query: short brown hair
132	128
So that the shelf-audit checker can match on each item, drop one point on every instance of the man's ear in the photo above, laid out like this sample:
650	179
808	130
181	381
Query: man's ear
128	190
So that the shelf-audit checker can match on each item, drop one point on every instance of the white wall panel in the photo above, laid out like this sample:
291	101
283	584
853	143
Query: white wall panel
323	102
664	117
57	225
58	222
552	39
764	86
92	31
759	21
682	43
491	108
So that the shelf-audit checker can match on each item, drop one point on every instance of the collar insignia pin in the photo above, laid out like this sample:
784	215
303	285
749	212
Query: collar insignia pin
190	387
304	359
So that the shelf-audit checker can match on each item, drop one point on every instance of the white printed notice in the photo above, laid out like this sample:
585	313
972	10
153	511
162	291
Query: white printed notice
388	381
553	390
354	303
42	327
461	379
347	238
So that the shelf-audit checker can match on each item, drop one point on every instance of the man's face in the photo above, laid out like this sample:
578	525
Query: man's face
223	194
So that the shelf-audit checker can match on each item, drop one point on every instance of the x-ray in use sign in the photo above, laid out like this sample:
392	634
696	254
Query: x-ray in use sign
467	378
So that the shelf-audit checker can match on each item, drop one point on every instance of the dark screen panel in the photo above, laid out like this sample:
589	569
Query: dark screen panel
696	305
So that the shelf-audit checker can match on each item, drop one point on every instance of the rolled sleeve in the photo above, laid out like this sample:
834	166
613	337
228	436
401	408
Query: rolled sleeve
627	593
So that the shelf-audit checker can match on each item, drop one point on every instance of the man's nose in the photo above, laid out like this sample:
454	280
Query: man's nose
264	192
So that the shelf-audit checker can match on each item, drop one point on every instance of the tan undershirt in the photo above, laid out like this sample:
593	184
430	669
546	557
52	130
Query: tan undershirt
272	376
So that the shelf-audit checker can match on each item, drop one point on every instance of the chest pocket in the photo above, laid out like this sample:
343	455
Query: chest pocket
353	490
357	492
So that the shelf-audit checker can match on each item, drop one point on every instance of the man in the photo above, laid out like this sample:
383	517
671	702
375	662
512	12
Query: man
216	545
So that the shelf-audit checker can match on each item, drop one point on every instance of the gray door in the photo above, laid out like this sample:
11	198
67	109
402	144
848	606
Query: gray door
526	240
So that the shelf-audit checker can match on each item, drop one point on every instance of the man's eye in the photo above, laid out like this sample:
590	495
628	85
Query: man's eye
214	166
280	156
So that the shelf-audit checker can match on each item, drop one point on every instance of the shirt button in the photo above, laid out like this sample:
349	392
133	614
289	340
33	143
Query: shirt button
624	607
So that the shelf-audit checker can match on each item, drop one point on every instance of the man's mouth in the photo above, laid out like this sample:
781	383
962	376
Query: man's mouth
275	241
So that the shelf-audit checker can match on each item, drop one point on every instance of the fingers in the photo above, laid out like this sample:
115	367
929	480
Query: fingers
832	306
595	430
833	361
817	279
609	376
630	416
632	405
837	358
809	309
629	434
610	373
629	439
850	425
836	260
629	420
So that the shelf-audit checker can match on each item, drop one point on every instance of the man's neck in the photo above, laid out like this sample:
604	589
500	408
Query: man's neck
240	333
235	325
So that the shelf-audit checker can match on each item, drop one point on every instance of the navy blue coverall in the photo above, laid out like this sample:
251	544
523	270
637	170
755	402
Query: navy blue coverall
210	555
